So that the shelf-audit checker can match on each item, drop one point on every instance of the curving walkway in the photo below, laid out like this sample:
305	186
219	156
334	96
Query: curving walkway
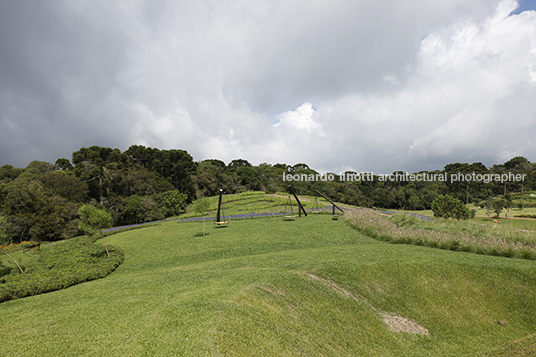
270	214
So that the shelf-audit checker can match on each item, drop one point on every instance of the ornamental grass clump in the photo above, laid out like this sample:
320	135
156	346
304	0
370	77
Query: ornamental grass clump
447	234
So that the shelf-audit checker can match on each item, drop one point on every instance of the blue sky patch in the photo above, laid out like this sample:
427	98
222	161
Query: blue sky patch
525	5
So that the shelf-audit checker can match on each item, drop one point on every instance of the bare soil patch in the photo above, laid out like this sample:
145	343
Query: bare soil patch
394	322
401	324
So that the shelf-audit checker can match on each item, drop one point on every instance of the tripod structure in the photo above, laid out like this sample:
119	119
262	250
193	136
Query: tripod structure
300	207
288	204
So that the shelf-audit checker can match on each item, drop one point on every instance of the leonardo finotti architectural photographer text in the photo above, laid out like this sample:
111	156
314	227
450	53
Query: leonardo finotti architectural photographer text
444	177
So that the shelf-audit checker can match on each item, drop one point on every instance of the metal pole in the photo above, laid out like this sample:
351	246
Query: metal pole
219	207
334	205
299	203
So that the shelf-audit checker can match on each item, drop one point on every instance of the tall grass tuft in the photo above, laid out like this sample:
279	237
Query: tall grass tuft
445	234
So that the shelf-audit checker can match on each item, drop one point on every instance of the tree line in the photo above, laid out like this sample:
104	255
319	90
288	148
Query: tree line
41	202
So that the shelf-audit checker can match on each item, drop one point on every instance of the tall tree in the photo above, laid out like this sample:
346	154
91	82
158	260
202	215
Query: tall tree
8	173
4	237
99	157
177	166
94	220
63	165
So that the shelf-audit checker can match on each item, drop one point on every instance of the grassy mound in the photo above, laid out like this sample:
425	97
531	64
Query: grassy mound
59	266
269	287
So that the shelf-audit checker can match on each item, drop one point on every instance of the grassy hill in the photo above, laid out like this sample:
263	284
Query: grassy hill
269	287
257	202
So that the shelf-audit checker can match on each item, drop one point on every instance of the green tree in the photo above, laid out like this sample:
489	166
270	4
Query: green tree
69	187
177	166
498	206
8	173
446	206
400	198
238	163
414	202
508	202
249	177
211	175
101	158
93	220
63	164
34	204
143	182
41	166
201	206
134	209
171	202
4	237
489	206
472	188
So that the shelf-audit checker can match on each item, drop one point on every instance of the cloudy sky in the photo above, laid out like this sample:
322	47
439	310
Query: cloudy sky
342	84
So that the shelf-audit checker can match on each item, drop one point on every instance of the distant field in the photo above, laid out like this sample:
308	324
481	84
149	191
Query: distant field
481	216
268	287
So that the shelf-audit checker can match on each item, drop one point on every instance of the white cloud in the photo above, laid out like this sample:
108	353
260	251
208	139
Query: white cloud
394	85
466	99
301	119
165	131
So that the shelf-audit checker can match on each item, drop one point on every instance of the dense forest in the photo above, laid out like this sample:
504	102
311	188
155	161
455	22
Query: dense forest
40	202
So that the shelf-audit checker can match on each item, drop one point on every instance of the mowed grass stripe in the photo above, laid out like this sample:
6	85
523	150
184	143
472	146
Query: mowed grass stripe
244	290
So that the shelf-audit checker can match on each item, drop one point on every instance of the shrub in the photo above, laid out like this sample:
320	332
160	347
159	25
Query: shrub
60	266
446	206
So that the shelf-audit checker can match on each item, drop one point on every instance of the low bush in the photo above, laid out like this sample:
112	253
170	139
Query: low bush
60	266
18	246
526	216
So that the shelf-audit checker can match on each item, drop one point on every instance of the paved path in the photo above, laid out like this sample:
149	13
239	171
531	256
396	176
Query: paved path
251	215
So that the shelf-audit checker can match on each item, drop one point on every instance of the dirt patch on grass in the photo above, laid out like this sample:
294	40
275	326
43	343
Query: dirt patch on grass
336	287
401	324
394	323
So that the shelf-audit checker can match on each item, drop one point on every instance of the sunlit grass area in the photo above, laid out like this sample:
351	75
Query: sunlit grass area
312	286
257	202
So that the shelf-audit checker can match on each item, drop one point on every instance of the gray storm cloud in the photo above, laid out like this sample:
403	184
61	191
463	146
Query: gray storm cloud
363	85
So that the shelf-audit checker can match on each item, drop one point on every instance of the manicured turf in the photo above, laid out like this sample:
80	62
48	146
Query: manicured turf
269	287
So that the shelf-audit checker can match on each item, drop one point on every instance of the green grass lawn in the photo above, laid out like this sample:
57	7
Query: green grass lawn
514	211
257	202
269	287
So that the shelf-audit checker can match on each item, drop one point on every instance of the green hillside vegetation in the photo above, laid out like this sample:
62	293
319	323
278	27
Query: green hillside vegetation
269	287
141	184
54	267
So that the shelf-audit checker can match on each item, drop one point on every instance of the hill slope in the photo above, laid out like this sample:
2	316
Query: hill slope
268	287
